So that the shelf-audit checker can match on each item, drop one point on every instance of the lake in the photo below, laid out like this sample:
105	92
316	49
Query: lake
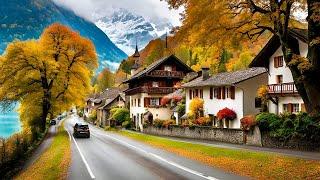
9	124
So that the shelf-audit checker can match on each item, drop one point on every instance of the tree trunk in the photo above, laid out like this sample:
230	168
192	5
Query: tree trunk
45	112
311	80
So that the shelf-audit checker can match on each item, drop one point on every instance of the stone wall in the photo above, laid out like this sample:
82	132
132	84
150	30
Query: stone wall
206	133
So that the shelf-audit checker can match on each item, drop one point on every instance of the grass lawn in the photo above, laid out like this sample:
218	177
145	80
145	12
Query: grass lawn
54	162
257	165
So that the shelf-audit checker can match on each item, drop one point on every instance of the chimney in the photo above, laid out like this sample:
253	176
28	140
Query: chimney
205	73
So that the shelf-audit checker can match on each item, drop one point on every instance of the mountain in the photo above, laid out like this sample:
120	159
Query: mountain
26	19
125	27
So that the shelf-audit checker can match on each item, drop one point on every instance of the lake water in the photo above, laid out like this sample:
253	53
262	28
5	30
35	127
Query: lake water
9	124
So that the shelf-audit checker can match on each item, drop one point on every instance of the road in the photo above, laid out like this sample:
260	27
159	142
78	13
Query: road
110	156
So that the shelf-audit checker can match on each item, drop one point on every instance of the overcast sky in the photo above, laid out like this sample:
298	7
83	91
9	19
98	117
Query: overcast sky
149	9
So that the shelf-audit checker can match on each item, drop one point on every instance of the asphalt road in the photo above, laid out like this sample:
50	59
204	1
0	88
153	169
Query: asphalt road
110	156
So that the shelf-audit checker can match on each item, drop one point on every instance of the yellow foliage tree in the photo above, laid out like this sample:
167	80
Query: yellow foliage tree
49	75
196	107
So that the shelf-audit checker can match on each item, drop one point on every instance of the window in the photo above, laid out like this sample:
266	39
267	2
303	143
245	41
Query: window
201	93
232	92
139	103
168	68
155	84
197	93
257	102
211	93
154	101
279	79
223	90
278	61
291	108
216	93
135	102
190	94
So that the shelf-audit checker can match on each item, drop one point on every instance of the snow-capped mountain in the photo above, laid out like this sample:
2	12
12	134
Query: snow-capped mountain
124	28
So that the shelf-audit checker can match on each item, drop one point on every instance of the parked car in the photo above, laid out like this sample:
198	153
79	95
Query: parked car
53	122
81	130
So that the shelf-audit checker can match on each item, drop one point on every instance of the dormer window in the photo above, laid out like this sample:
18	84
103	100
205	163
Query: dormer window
167	68
278	61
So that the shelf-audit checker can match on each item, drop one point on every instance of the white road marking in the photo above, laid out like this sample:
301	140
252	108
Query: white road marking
162	159
82	157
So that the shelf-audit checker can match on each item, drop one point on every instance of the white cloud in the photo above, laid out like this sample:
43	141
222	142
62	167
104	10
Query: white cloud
149	9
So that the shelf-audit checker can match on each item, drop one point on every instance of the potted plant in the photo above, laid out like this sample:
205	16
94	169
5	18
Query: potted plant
226	115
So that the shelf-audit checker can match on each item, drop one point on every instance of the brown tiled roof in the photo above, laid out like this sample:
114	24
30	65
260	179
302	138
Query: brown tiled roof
226	78
155	65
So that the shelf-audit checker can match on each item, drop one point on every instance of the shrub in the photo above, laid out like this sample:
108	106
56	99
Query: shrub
248	122
176	98
181	109
167	123
226	113
93	116
120	115
196	107
158	123
267	121
165	100
126	124
203	121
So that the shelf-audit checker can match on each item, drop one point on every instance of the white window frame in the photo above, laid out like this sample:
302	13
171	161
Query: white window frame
155	84
168	68
154	102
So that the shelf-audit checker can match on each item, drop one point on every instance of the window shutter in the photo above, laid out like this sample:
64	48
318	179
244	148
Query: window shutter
232	92
223	92
219	93
159	101
190	94
211	92
275	62
290	108
303	107
280	61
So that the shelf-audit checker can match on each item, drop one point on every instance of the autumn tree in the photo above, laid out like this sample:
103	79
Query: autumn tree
49	75
105	79
253	18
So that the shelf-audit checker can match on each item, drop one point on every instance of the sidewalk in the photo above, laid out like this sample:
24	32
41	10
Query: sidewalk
286	152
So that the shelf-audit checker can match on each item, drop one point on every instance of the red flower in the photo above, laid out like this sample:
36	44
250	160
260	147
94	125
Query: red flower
226	113
164	100
247	122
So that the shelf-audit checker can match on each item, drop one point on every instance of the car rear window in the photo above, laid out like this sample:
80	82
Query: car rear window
83	126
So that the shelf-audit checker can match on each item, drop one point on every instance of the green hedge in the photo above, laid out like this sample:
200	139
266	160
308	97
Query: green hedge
285	126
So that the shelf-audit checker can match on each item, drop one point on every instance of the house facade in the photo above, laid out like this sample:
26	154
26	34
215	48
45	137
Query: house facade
102	103
234	90
149	85
282	92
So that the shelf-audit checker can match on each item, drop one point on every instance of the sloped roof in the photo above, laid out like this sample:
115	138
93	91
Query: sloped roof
155	65
226	78
262	59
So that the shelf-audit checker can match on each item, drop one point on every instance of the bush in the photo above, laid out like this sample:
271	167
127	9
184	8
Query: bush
120	115
126	124
248	122
286	126
165	100
167	123
267	121
227	114
202	121
93	116
181	109
158	123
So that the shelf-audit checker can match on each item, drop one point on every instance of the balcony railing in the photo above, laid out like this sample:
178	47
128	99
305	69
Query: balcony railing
151	90
283	88
162	73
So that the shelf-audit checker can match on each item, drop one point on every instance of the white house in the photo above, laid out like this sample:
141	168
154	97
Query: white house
283	94
234	90
147	86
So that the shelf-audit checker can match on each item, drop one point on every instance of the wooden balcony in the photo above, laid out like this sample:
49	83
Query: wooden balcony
282	89
150	90
162	73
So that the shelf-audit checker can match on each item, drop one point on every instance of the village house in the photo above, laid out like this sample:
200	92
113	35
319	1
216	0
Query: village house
282	92
234	90
147	86
102	103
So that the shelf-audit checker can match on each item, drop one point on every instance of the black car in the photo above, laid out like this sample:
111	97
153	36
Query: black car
53	122
81	130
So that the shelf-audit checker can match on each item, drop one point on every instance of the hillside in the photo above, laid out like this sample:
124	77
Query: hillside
25	19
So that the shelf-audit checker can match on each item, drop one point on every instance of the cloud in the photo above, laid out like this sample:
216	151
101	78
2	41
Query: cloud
153	10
